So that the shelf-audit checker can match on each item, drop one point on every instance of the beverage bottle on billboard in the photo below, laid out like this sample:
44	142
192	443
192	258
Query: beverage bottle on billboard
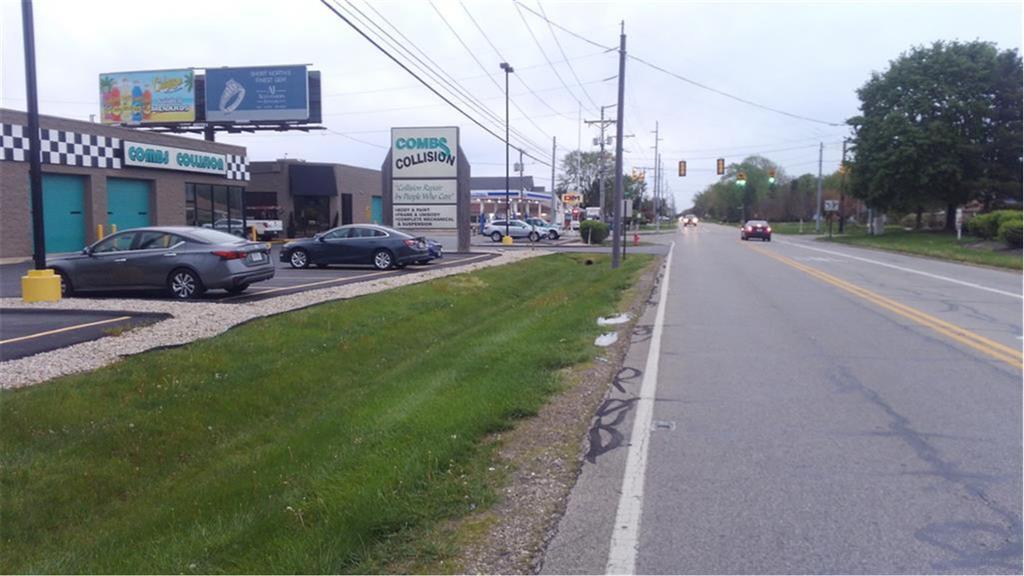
112	103
136	102
126	100
147	103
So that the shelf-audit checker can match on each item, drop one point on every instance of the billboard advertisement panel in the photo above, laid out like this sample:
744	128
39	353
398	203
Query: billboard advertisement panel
257	94
424	152
147	97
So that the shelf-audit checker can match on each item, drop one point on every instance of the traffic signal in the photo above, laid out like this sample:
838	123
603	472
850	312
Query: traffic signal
771	177
682	167
720	166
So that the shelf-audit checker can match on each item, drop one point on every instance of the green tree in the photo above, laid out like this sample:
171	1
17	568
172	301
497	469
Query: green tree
583	169
941	126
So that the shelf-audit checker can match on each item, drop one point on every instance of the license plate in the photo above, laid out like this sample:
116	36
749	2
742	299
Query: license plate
256	257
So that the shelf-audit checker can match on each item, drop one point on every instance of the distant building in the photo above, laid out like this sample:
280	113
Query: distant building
525	199
310	197
98	177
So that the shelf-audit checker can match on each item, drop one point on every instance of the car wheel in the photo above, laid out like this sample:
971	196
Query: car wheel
552	235
66	290
382	260
534	237
299	259
238	289
768	239
184	284
495	236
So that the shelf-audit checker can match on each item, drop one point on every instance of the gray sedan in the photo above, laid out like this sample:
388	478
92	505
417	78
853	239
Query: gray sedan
186	261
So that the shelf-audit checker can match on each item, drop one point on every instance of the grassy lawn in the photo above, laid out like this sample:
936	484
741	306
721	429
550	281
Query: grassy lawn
939	245
315	441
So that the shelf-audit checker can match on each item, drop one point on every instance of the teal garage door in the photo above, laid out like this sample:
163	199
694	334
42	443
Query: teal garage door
63	212
127	203
377	216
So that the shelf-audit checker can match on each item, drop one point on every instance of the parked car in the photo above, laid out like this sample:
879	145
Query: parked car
689	220
434	251
378	246
549	231
516	229
756	229
184	260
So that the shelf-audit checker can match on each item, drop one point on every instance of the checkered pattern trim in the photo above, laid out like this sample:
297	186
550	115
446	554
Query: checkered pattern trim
237	168
60	147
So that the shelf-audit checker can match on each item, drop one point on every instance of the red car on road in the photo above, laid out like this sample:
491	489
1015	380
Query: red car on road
756	229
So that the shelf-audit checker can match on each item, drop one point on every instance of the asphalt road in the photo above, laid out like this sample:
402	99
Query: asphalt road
27	332
847	411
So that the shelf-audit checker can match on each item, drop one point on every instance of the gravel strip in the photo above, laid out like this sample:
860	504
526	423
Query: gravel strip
192	321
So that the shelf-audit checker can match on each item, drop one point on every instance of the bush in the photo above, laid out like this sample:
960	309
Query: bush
987	226
593	231
1011	231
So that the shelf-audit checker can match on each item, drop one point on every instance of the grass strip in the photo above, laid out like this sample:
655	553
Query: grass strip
939	245
300	443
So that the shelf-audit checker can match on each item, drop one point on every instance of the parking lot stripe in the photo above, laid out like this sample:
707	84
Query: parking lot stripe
65	329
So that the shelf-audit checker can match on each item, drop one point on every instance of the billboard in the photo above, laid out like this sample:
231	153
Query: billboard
257	94
148	97
424	152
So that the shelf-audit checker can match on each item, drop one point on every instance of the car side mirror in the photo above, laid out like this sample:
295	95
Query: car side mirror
320	238
87	251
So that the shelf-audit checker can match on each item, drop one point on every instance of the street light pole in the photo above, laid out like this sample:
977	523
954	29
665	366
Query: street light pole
508	70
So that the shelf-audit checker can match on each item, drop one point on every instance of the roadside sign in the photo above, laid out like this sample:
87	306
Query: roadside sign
572	198
959	222
831	205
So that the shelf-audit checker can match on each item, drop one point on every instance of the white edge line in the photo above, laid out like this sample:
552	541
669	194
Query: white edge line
626	530
910	270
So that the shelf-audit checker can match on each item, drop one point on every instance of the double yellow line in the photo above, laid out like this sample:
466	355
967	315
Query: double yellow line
991	348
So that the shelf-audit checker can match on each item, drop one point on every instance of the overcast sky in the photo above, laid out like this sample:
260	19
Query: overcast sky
804	58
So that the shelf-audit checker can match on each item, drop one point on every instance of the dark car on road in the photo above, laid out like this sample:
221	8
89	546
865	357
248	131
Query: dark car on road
379	246
186	261
756	229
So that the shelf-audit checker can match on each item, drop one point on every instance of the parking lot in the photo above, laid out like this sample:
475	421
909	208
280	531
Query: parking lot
286	280
27	332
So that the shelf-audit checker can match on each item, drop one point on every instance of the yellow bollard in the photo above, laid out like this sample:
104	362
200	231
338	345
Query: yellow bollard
113	228
252	233
40	286
506	240
99	232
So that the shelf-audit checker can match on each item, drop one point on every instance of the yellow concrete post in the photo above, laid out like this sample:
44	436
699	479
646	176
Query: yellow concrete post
252	233
40	286
99	232
113	228
507	240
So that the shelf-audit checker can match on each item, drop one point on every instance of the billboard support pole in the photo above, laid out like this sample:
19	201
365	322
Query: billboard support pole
35	169
209	134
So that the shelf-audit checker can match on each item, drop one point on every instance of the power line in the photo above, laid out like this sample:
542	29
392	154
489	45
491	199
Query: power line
571	68
418	78
566	30
502	58
484	68
683	78
439	72
543	53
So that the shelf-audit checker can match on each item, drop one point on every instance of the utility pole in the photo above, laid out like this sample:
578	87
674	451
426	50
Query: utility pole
554	146
842	191
600	161
617	210
817	205
521	187
657	177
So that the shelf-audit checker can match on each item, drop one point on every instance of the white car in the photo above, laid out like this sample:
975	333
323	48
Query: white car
496	229
546	230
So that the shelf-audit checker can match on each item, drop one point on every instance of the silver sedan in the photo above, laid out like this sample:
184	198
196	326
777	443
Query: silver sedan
183	260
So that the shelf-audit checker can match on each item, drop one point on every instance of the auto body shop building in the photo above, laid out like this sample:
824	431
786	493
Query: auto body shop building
97	176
